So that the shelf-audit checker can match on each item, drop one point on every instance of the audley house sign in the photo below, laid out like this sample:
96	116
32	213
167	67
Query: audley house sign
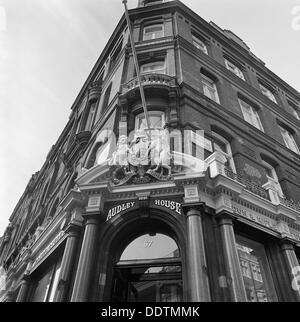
160	203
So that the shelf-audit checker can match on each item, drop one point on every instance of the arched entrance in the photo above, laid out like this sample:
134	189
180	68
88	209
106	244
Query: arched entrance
148	270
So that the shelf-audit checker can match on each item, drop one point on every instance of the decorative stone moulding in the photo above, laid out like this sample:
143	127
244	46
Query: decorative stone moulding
150	80
94	90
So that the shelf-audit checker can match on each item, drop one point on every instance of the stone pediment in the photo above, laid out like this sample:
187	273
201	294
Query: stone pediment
99	174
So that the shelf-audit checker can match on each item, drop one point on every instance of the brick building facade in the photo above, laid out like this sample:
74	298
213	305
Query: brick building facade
85	230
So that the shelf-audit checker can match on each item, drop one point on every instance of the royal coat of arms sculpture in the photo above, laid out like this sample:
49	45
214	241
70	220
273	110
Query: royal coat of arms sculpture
145	159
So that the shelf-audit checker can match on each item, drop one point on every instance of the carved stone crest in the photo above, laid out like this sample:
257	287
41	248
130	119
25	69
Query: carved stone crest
145	159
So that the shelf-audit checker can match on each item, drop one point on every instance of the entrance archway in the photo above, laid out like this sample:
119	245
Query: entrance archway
148	270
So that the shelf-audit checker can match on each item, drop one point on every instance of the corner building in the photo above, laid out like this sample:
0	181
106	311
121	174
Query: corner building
87	231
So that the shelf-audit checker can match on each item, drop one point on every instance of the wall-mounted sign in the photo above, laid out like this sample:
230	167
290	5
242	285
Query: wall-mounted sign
169	204
130	205
118	209
254	216
46	250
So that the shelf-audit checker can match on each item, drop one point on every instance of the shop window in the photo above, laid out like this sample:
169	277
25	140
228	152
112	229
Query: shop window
149	270
210	88
250	114
156	67
256	272
234	69
46	285
153	31
156	119
288	139
267	92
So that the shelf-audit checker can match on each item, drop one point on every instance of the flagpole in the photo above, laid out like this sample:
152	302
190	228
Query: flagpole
136	63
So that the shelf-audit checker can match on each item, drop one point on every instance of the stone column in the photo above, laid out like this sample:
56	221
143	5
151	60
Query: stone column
233	270
293	266
198	283
85	264
22	295
73	230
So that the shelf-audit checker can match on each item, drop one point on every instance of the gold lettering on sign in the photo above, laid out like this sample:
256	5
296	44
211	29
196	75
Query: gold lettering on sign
172	205
116	210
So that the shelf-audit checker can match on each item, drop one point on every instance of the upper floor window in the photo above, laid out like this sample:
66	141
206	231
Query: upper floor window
150	2
91	116
218	143
272	176
156	119
106	97
198	43
102	153
250	115
267	92
153	31
289	140
210	88
234	69
157	67
294	109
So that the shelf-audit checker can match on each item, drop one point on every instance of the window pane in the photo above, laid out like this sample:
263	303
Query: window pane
255	270
90	119
41	291
153	31
199	44
289	140
156	121
155	291
267	93
150	247
230	66
54	282
155	67
250	115
102	153
210	89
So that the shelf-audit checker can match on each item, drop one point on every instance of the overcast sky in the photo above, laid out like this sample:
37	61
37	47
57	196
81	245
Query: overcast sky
48	48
